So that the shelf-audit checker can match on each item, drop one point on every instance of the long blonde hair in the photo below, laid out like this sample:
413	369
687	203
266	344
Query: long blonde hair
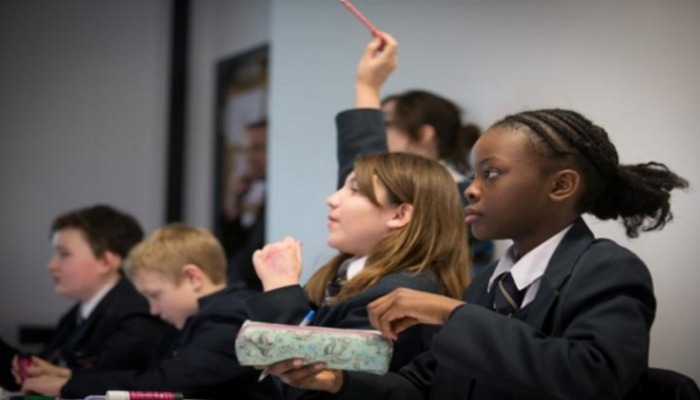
434	239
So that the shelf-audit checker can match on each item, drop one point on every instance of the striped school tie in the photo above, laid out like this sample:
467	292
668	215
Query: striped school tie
333	287
507	298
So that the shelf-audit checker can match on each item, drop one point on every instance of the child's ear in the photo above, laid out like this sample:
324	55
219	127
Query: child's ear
565	184
426	134
110	261
402	216
193	275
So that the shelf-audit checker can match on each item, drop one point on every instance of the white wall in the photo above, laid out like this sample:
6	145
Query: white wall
631	66
220	29
83	106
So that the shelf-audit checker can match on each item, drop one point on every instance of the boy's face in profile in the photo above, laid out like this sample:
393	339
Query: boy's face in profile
76	271
171	302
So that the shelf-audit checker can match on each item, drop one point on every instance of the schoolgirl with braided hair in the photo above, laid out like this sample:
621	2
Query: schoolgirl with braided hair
577	311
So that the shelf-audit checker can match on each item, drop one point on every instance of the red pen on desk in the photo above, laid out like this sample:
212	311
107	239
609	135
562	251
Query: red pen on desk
351	7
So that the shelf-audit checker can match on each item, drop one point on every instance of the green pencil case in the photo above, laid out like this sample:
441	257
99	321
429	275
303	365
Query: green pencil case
261	344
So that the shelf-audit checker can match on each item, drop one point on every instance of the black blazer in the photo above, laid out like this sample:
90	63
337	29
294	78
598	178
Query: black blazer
240	244
119	334
585	335
201	363
359	131
7	381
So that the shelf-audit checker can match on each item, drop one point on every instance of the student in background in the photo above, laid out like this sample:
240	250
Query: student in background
393	222
181	270
110	327
562	315
243	229
416	122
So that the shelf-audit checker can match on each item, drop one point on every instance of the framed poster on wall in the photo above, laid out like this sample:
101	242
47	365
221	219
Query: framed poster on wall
240	162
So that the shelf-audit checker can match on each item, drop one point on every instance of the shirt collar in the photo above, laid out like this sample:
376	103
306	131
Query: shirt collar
87	307
532	265
356	265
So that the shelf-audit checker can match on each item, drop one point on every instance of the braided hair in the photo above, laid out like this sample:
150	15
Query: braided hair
639	194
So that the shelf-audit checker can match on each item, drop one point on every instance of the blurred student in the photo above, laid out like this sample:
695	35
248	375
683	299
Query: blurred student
181	270
110	327
243	230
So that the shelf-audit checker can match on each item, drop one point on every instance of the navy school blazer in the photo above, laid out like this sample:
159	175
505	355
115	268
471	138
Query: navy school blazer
585	336
120	333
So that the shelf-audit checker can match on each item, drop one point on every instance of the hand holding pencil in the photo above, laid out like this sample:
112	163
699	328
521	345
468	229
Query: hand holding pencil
378	61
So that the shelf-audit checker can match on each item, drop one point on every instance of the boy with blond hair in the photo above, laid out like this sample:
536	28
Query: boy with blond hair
181	270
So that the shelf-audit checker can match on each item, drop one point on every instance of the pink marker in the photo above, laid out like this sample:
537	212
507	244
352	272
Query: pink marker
362	19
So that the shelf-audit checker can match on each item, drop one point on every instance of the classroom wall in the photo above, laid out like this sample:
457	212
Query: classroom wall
83	101
631	66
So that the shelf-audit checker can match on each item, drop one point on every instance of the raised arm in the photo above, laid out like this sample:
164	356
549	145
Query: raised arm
361	130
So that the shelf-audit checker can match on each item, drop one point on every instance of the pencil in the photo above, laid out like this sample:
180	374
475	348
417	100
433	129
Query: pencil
351	7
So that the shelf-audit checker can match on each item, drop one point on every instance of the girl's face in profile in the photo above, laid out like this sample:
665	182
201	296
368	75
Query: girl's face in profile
355	224
509	194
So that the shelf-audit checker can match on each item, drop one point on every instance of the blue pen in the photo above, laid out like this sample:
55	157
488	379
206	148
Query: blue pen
307	320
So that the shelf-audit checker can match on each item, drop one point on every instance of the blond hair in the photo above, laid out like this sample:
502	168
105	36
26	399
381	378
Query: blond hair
435	239
173	246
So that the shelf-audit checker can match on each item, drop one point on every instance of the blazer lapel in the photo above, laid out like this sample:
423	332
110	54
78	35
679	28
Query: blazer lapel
556	275
477	293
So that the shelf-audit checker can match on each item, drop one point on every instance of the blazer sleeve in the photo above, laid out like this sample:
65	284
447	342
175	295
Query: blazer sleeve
598	347
207	361
360	131
7	353
413	382
285	305
132	342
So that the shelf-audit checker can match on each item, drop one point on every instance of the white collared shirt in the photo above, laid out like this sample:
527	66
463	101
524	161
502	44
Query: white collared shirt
87	307
356	265
528	270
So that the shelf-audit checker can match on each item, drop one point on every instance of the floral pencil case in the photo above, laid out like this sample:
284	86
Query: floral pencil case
260	343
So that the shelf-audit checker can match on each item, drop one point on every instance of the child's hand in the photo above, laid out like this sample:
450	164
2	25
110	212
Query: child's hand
376	64
295	372
399	310
40	367
279	264
49	385
34	366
